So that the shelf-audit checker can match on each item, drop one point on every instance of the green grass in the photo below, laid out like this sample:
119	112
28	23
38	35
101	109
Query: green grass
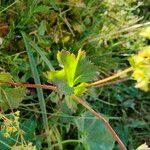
34	31
36	78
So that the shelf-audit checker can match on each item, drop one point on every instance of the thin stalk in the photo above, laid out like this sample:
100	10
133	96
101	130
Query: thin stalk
67	141
28	85
36	78
99	82
99	116
5	144
131	28
82	102
111	83
9	6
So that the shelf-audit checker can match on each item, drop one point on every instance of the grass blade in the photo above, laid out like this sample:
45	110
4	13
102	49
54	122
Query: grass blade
37	81
5	144
44	58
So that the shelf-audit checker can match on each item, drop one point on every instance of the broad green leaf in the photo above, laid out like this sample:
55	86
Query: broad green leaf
141	68
64	88
94	134
75	70
29	126
11	97
55	76
69	64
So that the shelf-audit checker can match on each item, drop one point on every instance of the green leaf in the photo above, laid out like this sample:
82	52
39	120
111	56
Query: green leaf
35	75
42	28
37	81
75	70
6	143
71	103
42	9
94	134
29	126
79	89
64	88
44	58
54	97
11	97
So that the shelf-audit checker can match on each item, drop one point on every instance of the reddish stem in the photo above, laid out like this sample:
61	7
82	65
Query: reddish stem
99	116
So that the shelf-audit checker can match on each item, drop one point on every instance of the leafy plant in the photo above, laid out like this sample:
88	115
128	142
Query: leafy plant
87	124
33	34
10	98
72	78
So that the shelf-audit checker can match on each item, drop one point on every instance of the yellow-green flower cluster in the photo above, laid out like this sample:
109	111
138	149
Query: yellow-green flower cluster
27	146
141	68
145	32
10	125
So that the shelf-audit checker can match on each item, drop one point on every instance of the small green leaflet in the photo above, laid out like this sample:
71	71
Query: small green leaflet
9	97
76	71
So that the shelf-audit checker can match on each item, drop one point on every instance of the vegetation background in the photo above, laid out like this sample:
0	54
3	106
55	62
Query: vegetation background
108	31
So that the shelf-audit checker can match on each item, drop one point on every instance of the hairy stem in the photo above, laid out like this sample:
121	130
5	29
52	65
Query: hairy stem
99	82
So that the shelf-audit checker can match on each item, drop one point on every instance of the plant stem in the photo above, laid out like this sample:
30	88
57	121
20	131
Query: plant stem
87	106
67	141
99	82
36	77
28	85
79	100
82	102
9	6
111	83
